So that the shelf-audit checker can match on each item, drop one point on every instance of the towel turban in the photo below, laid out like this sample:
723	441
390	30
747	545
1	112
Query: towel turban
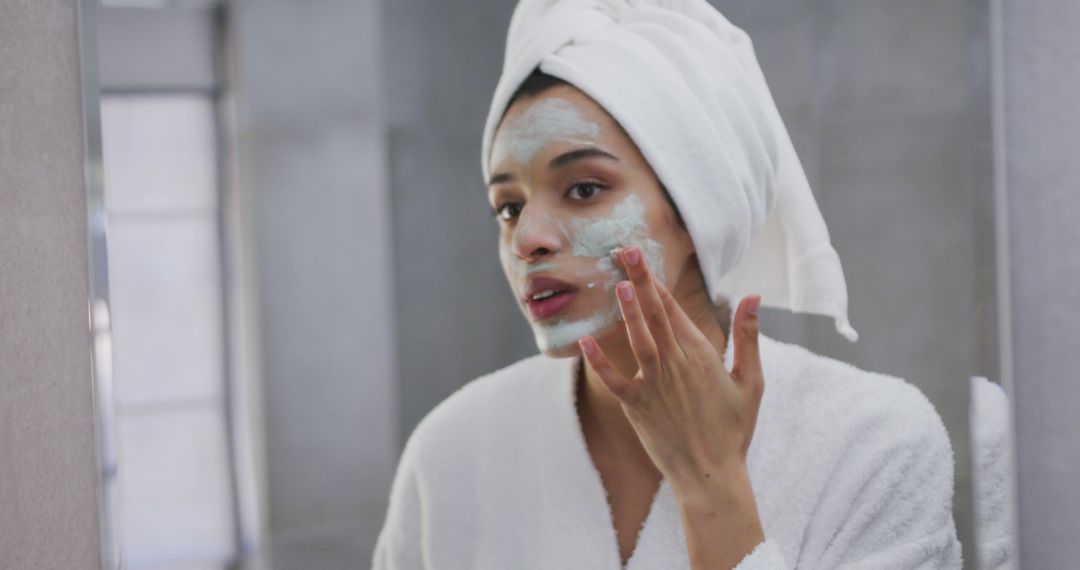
685	85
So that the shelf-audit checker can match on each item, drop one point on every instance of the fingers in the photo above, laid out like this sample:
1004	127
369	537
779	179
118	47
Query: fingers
641	340
648	300
681	324
747	368
623	389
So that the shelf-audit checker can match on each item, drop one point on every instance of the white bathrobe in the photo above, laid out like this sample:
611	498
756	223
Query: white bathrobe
850	469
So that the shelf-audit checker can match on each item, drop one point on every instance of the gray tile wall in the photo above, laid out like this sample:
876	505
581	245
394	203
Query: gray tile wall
453	305
48	473
311	136
1042	125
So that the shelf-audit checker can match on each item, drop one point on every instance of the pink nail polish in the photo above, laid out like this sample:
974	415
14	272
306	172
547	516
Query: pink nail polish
633	255
755	303
625	291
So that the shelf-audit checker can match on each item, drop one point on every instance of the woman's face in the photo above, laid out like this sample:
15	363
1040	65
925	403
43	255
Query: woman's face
568	188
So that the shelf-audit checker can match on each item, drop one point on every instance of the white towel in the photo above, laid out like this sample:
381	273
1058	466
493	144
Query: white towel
686	86
991	426
850	470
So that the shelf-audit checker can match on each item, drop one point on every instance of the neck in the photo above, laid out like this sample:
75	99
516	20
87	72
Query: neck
601	412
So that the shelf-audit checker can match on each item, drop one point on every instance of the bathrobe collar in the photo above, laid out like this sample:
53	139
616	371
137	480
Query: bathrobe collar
585	497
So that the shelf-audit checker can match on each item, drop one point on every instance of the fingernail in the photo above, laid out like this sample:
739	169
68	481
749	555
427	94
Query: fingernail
625	291
633	255
754	304
586	345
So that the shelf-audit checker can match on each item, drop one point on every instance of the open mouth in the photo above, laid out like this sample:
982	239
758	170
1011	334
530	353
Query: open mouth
549	302
547	296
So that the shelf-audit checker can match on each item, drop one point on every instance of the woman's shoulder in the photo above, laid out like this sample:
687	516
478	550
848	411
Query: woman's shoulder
866	455
848	402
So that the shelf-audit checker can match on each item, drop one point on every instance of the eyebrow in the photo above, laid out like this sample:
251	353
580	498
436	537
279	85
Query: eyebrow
561	161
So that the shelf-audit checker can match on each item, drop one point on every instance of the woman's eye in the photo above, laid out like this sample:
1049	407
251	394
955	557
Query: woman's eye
583	191
507	211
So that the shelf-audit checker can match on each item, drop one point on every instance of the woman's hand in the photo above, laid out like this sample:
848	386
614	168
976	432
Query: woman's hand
694	418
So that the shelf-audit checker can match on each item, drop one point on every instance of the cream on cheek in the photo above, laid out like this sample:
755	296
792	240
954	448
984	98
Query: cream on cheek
597	239
548	121
626	225
558	120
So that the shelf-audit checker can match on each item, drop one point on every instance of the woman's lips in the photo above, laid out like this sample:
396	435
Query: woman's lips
550	306
547	295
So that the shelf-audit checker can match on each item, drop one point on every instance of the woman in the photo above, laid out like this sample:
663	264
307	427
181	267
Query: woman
641	177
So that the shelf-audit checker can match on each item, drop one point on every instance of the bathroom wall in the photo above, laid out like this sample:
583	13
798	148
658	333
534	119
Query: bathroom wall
313	184
1042	128
453	305
48	471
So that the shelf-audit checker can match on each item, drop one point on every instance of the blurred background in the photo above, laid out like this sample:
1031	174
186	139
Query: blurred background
292	258
301	264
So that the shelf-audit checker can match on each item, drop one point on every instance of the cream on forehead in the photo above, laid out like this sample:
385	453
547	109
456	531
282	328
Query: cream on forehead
547	121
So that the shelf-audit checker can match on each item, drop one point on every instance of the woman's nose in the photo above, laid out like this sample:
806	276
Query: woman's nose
536	236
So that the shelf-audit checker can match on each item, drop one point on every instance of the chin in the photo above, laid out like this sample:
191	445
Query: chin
561	351
561	341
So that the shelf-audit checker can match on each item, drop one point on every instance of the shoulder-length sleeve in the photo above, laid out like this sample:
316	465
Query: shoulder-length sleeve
400	542
888	505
